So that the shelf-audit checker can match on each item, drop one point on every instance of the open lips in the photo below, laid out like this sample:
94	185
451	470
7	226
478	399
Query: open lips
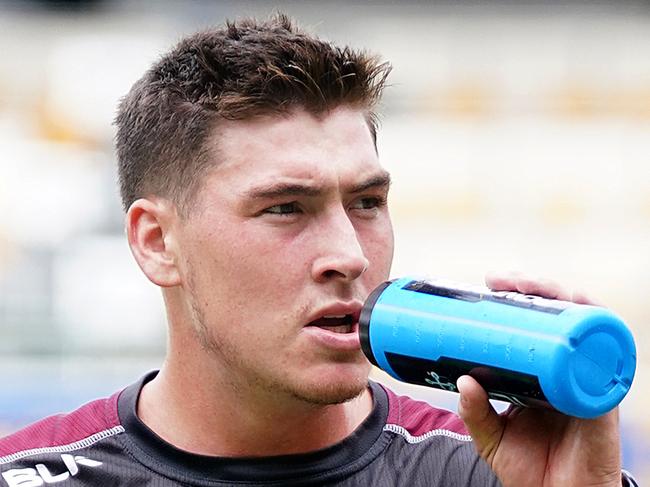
336	323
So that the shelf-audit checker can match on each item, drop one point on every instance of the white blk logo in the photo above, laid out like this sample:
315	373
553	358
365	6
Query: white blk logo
41	475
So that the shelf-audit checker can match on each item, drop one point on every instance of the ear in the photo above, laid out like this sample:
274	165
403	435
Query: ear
149	228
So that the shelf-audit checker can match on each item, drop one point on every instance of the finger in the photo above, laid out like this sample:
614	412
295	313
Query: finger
482	421
542	287
581	298
516	281
502	281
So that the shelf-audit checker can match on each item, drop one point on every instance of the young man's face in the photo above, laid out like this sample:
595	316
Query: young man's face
289	234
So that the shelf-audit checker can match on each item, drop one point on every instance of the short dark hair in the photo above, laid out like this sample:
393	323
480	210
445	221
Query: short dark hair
245	69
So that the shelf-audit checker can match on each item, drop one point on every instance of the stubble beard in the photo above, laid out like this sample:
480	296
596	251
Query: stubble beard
316	394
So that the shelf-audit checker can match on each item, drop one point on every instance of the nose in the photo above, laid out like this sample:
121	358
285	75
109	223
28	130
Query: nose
341	257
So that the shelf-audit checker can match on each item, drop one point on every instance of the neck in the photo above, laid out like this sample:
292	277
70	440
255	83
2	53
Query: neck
195	409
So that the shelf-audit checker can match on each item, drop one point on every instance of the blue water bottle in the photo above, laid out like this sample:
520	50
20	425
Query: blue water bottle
527	350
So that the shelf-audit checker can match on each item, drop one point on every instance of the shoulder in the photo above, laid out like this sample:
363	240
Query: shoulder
431	446
417	420
88	424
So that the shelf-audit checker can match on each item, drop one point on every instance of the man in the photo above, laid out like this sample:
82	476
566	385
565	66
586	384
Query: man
255	200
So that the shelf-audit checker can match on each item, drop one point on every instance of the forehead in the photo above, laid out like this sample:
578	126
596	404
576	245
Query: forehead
335	146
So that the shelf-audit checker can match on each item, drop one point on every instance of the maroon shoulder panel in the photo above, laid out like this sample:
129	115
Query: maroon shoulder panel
419	417
63	429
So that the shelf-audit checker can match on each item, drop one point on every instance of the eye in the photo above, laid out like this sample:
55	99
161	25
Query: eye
283	209
368	203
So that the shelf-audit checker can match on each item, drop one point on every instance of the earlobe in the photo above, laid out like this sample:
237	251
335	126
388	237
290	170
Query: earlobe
149	230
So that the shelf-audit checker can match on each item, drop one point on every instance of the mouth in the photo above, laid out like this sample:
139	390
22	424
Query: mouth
342	324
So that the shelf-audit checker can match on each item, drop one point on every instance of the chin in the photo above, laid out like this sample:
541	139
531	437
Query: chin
336	386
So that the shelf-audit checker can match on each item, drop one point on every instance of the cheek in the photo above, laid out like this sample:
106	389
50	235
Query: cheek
378	245
246	246
249	268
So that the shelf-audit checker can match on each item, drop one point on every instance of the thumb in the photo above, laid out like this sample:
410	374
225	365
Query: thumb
484	424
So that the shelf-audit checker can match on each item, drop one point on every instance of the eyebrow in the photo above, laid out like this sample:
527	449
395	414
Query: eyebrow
294	189
377	181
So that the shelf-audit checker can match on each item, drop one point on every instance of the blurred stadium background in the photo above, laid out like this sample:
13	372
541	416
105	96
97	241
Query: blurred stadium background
518	135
